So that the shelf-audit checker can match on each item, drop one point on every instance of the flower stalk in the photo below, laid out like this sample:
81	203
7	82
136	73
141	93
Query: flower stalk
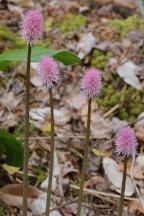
123	187
25	163
51	155
84	164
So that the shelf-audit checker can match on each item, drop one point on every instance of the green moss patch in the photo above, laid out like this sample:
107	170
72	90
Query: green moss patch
71	21
125	25
99	59
129	99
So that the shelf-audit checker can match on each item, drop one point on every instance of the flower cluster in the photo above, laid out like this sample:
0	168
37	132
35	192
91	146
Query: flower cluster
49	71
32	26
125	142
91	83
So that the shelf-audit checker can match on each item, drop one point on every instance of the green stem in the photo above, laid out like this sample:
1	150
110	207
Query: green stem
25	163
84	164
123	187
51	155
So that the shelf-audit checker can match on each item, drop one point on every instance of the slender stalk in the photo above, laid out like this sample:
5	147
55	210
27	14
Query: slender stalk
51	155
25	163
123	187
84	164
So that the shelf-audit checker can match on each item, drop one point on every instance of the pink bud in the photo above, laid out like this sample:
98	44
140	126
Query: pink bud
91	83
32	26
49	71
126	142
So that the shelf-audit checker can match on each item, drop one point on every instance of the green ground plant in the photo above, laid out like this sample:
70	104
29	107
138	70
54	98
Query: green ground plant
129	99
71	21
125	25
99	59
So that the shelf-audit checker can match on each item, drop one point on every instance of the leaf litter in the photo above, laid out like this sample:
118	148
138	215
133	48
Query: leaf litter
71	106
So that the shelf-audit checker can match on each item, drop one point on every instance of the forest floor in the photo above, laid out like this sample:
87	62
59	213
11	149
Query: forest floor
108	35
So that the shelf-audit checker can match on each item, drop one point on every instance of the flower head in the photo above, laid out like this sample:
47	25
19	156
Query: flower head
91	83
125	142
32	26
49	71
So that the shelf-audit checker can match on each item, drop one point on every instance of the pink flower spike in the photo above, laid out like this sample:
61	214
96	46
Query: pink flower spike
32	26
49	72
126	142
91	83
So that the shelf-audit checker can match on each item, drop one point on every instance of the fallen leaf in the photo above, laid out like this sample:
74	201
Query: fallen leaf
12	194
100	128
46	127
38	206
136	206
128	71
115	176
57	179
99	153
10	169
85	45
62	115
9	100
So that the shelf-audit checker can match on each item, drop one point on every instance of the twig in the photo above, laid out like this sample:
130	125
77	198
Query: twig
96	193
111	110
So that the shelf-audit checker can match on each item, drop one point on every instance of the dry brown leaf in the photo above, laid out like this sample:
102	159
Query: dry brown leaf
124	3
12	194
136	206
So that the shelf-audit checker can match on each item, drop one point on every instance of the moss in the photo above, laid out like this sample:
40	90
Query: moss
130	100
99	59
71	21
6	33
125	25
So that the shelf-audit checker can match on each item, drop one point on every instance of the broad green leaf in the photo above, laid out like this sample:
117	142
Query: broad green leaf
4	65
12	148
63	56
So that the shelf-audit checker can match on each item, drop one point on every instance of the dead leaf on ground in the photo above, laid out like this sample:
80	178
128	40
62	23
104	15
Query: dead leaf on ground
99	153
115	176
128	71
12	194
10	169
136	206
57	178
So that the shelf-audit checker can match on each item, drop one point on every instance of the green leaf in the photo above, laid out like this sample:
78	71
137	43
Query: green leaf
63	56
12	148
